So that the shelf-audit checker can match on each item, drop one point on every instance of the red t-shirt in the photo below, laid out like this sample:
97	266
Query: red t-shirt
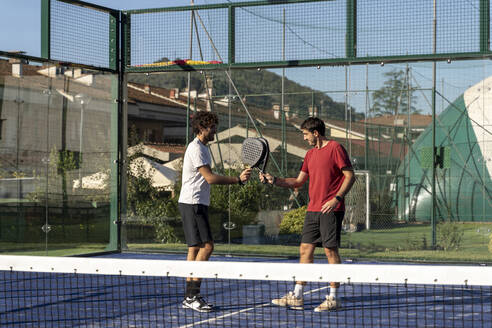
324	167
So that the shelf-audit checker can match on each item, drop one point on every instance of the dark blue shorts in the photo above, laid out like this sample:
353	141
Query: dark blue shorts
195	224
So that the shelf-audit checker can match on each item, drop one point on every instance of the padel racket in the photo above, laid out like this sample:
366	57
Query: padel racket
264	162
255	153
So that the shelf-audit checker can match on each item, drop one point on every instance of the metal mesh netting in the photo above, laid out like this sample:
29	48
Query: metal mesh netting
318	30
312	31
389	28
79	34
165	36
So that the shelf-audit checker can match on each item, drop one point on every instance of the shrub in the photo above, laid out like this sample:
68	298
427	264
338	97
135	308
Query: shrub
449	236
293	221
490	243
165	233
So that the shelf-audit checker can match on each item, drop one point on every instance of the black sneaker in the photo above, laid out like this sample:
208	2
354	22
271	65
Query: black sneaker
197	303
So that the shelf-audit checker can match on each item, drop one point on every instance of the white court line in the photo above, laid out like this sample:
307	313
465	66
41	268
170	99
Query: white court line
243	310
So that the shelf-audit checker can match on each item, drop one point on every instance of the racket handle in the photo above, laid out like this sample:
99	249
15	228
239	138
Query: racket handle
265	179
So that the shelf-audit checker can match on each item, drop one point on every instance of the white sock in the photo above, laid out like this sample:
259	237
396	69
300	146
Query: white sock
298	290
333	292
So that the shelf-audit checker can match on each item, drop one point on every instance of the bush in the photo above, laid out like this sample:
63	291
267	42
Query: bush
490	244
449	236
293	221
165	233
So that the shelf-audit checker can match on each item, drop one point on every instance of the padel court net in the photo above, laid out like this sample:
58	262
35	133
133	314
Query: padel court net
102	292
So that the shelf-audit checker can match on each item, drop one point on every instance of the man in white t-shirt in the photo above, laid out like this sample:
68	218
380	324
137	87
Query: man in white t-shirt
194	200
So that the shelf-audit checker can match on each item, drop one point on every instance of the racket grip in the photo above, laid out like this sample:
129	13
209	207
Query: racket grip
265	179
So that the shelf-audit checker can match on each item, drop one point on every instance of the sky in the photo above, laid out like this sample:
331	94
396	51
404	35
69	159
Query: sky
20	30
20	20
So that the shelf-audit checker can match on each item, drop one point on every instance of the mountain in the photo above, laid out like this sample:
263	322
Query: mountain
261	87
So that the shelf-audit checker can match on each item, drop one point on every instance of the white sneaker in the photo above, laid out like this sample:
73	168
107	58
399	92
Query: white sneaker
330	304
296	303
197	303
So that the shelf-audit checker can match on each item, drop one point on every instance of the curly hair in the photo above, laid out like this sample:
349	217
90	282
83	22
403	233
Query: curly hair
314	124
203	120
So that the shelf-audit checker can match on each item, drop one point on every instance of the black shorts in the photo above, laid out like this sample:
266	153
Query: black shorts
195	223
322	229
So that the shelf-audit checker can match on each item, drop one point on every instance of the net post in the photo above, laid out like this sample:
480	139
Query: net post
117	124
114	218
123	124
351	33
484	25
232	34
126	40
45	28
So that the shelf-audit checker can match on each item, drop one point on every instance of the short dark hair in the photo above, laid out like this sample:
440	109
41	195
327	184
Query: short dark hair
314	124
203	120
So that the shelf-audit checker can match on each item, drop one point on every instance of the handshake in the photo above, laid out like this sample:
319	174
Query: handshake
264	177
267	178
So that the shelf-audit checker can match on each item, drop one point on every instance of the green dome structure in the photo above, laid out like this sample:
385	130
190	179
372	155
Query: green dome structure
464	163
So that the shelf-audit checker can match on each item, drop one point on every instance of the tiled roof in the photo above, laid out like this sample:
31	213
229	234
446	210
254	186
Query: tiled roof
168	148
416	120
136	94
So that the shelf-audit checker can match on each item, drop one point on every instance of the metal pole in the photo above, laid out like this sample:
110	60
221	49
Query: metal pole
229	103
349	116
368	203
19	103
366	130
47	162
312	104
81	135
189	79
283	167
346	104
434	203
408	144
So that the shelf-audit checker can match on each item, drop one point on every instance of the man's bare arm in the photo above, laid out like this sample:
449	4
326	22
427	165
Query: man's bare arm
347	183
285	182
213	178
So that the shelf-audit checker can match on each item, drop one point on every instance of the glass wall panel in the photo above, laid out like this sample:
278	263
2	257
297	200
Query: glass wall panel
381	114
56	160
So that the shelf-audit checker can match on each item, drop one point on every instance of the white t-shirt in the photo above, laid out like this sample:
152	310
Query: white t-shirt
194	188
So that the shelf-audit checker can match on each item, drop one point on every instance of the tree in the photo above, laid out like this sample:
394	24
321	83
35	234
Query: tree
149	205
393	97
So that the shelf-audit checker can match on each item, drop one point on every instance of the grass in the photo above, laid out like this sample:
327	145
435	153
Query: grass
400	243
39	249
14	201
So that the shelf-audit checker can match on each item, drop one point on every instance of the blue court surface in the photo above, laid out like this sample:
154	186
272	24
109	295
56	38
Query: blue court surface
80	300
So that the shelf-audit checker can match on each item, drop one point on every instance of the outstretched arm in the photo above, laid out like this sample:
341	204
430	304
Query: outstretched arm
285	182
213	178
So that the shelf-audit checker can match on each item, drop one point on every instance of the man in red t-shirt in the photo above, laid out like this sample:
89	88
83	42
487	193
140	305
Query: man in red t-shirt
331	176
